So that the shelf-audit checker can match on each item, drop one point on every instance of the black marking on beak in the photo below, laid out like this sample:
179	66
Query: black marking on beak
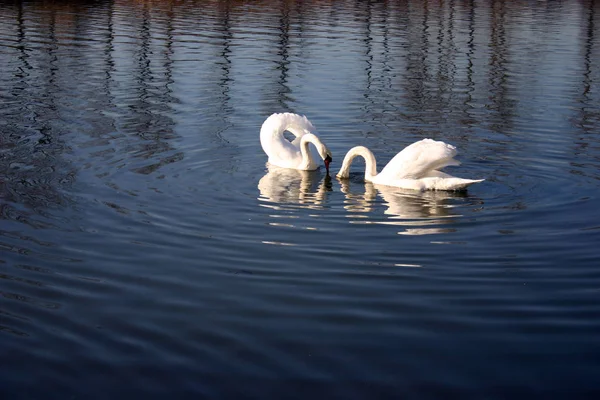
327	161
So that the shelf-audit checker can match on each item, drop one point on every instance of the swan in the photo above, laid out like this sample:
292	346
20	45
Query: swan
416	167
292	154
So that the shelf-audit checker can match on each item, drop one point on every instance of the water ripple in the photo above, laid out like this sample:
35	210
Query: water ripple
146	249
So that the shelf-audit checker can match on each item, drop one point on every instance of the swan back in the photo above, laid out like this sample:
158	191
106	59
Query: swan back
418	159
296	154
271	132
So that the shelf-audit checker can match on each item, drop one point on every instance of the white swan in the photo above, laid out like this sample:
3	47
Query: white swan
295	154
416	167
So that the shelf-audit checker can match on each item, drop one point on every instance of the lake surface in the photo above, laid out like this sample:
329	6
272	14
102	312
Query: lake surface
146	249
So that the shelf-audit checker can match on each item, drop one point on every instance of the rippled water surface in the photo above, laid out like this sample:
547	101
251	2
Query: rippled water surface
146	249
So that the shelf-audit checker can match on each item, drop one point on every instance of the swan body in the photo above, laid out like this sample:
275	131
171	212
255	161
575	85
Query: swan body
416	167
294	154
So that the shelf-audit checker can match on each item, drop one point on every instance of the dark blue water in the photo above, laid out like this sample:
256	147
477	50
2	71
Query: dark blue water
147	250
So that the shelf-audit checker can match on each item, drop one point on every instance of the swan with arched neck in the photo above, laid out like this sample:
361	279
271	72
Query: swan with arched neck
294	154
416	167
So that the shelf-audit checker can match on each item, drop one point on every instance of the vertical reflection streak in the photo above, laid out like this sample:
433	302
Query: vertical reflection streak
588	115
226	54
368	42
283	53
470	55
109	48
500	100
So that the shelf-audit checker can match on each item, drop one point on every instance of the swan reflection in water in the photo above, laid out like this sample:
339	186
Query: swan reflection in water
280	186
422	213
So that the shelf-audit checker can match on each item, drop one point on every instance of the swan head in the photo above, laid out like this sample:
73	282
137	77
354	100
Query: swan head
327	160
321	147
325	154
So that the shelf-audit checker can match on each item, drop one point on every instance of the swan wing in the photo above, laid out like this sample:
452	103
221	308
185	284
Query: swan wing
418	159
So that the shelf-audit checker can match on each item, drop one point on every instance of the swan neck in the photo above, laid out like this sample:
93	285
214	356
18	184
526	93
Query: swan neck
308	138
367	155
304	150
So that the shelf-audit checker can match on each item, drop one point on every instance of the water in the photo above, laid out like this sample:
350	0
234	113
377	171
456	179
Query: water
147	250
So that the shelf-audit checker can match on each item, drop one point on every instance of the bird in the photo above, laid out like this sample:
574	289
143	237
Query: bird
294	154
416	167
